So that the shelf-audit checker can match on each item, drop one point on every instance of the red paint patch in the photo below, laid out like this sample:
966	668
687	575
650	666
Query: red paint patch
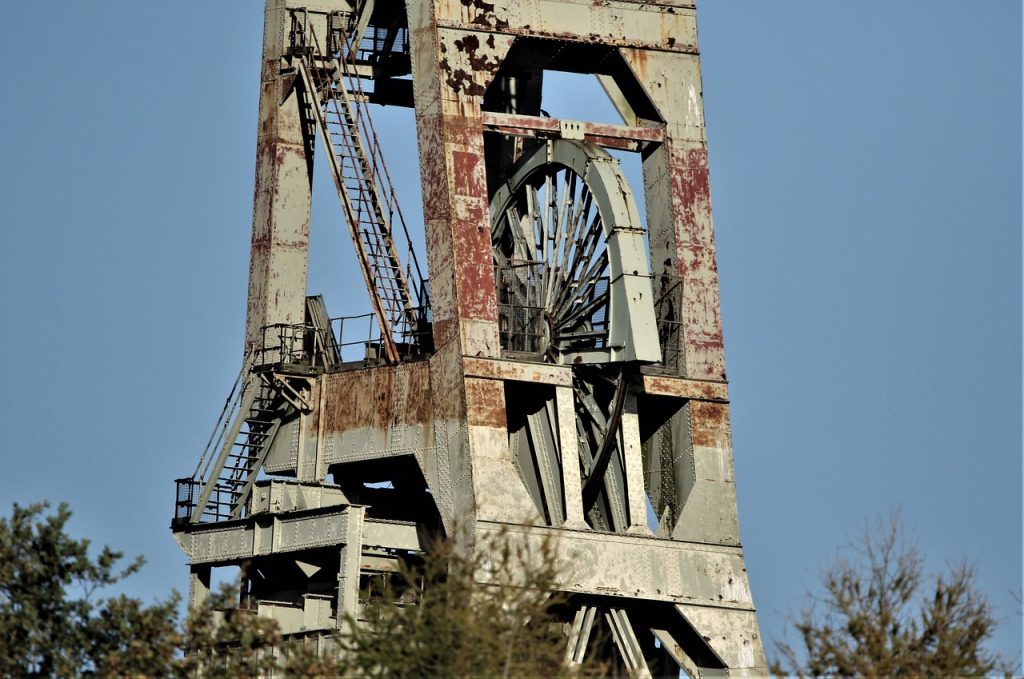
464	168
475	268
485	403
691	195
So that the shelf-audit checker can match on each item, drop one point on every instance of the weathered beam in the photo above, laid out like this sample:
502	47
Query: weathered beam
623	137
499	369
681	387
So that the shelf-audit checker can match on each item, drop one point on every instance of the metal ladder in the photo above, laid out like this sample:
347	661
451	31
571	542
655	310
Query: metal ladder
364	187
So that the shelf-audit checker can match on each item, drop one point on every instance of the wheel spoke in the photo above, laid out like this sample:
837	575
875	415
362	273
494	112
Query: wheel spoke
522	248
573	274
582	314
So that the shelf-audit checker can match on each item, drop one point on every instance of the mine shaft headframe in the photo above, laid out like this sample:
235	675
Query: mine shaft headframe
594	439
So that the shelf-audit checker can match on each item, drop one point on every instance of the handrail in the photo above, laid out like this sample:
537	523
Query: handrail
231	405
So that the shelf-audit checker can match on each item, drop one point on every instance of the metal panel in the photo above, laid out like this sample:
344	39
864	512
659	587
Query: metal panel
390	534
615	22
569	447
646	568
222	544
543	373
679	387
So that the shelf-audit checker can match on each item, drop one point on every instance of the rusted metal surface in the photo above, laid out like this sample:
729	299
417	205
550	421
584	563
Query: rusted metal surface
380	412
451	70
542	373
680	387
370	398
485	403
711	425
695	257
679	209
662	26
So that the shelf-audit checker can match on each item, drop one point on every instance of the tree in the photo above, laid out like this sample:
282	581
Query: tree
431	618
51	623
880	616
436	619
129	638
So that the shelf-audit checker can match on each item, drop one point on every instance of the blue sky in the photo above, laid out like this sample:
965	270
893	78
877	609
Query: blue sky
866	179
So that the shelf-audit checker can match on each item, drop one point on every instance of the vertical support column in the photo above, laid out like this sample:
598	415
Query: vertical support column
321	429
281	197
677	190
451	71
348	565
572	486
682	241
198	587
635	493
307	431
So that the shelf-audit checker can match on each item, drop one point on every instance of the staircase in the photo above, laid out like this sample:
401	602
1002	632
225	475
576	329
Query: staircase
226	482
367	196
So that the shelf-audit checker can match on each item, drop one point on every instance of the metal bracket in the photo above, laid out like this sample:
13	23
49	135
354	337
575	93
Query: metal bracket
290	394
571	129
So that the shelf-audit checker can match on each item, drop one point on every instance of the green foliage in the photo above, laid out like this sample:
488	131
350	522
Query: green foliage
228	641
51	623
881	617
128	638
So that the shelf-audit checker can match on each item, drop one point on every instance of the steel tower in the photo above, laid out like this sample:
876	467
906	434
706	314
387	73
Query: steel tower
561	374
